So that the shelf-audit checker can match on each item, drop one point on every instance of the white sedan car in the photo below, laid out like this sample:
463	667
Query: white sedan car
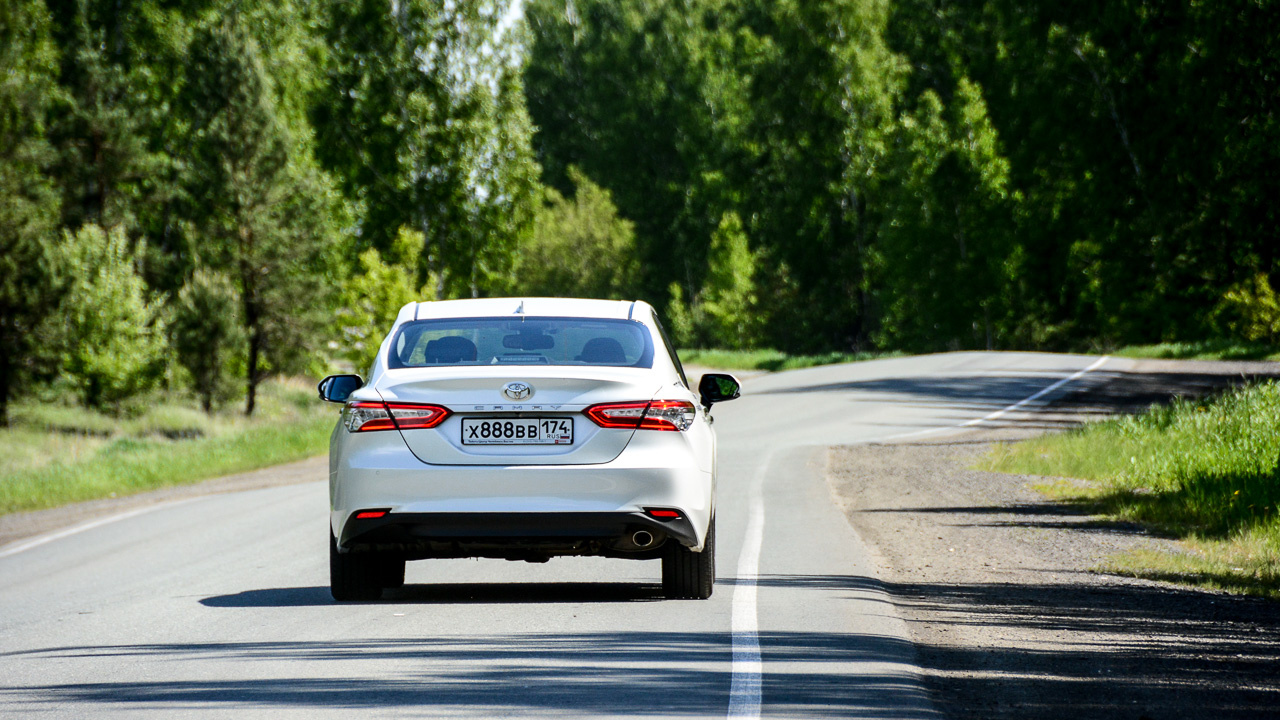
523	429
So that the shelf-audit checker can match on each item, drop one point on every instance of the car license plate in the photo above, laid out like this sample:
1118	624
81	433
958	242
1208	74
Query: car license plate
517	431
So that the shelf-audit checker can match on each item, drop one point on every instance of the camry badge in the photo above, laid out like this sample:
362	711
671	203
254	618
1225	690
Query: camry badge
517	390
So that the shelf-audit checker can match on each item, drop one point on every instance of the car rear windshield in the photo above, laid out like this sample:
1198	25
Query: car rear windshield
530	341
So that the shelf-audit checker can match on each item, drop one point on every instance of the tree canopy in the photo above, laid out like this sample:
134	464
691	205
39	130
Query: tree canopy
810	175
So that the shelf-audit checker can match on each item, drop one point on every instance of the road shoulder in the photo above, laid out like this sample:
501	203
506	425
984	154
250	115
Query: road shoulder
995	584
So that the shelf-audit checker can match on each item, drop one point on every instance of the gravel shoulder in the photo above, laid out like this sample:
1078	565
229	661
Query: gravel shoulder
996	583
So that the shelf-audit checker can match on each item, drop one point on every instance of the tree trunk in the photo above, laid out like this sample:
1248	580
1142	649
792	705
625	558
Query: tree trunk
251	376
6	371
252	323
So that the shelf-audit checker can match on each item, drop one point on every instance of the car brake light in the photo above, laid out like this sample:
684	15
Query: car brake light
655	415
365	416
415	416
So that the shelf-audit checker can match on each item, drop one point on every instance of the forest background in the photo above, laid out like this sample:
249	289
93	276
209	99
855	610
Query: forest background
201	194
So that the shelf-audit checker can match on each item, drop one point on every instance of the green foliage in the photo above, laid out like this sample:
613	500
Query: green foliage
579	247
108	332
1139	206
725	312
1204	350
989	174
104	154
941	248
729	296
422	119
1257	306
642	96
28	200
207	334
1205	470
679	318
372	298
874	173
268	213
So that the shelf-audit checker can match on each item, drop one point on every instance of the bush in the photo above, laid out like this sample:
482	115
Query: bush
1256	308
207	335
579	247
372	299
107	332
680	318
729	296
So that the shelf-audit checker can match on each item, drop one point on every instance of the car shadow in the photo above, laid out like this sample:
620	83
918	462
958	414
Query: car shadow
450	594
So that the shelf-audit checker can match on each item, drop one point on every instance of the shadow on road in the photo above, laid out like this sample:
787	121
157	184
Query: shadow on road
451	593
1076	516
1099	393
654	674
1118	652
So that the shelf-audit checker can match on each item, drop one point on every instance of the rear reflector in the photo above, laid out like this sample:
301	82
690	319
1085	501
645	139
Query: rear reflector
370	514
664	514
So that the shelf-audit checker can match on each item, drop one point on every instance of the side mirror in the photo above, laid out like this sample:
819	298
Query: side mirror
337	388
718	387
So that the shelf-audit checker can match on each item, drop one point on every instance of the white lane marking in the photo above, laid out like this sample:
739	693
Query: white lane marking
77	529
1000	413
744	689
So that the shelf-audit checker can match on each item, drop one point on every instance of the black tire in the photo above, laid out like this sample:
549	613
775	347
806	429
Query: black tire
353	576
687	574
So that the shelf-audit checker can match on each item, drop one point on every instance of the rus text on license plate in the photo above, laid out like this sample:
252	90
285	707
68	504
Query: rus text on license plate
517	431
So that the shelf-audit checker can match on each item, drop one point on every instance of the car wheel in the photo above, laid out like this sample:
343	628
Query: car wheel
688	574
353	576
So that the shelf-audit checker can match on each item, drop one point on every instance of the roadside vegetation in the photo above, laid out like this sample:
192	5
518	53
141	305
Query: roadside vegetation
1204	471
1205	350
52	455
770	360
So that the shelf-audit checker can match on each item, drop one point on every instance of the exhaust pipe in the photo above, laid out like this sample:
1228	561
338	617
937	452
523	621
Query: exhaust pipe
642	538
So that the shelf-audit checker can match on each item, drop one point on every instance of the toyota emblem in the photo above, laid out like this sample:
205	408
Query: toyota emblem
517	390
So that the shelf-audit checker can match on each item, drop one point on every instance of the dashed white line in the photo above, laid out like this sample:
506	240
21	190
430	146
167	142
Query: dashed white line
744	688
1000	413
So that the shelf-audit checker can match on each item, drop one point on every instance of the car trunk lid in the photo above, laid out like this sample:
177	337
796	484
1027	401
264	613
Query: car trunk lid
496	422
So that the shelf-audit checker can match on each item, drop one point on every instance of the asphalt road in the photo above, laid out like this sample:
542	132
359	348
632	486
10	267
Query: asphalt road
218	606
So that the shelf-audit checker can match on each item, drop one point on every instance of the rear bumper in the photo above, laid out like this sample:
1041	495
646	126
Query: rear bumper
513	535
431	505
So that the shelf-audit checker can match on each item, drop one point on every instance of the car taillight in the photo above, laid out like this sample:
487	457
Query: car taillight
364	416
415	416
656	415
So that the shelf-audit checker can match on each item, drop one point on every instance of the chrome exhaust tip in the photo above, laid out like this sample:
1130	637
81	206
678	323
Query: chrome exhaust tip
642	538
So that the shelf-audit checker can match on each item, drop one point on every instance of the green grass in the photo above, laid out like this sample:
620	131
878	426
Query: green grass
1206	472
56	455
770	360
1206	350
